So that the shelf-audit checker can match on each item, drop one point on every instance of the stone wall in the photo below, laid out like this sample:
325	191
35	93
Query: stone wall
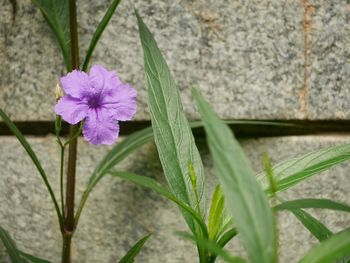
252	59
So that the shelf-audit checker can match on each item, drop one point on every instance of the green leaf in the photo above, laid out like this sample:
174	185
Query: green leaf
136	140
34	158
212	247
223	240
172	132
329	250
100	28
226	237
32	259
24	142
134	251
119	152
316	228
10	246
133	142
289	173
344	259
243	196
56	14
312	203
154	185
215	213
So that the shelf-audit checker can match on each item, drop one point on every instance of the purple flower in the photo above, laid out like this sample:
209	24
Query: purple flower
101	98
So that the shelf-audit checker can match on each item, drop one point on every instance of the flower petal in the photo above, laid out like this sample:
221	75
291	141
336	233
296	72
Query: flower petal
105	82
122	104
100	127
75	83
71	109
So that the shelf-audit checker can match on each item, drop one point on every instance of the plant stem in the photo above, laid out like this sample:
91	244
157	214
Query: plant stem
72	157
61	178
66	247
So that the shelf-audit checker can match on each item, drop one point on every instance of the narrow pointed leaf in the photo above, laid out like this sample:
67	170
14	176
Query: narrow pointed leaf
172	132
10	246
329	250
215	213
24	142
134	251
316	228
289	173
344	259
119	152
223	240
56	13
243	196
100	28
136	140
154	185
34	158
32	259
313	203
212	247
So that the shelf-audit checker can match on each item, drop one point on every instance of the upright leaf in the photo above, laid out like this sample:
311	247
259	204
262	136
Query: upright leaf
10	246
215	213
290	172
134	251
99	30
243	196
329	250
172	132
56	13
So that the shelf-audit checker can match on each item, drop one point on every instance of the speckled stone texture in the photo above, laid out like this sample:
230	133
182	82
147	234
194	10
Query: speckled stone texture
266	59
118	213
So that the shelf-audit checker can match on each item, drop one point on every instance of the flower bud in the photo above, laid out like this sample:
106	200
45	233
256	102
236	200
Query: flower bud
58	92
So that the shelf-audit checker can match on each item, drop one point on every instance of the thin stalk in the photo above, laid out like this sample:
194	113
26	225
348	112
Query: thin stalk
72	157
81	206
61	178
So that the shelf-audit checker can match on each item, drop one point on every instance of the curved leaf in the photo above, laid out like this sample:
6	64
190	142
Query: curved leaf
312	203
243	196
32	259
10	246
100	28
212	247
119	152
329	250
35	160
56	13
316	228
134	251
290	172
154	185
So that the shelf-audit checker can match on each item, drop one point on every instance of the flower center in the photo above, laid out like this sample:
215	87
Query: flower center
94	102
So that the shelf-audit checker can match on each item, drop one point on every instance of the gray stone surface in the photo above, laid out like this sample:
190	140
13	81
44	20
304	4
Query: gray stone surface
119	213
247	57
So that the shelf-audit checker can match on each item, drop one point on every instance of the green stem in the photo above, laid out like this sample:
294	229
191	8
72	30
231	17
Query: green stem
66	247
72	157
61	178
75	136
